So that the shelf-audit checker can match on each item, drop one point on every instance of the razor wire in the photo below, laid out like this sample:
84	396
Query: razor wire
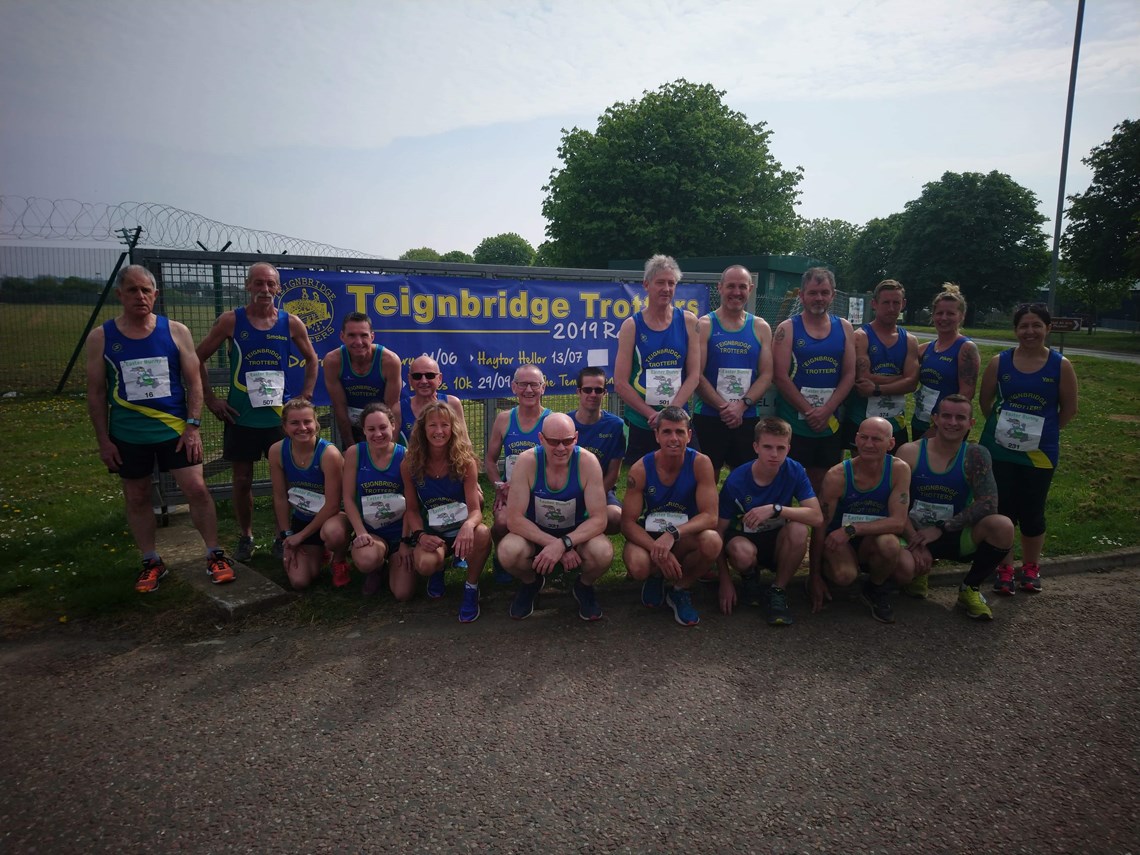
164	227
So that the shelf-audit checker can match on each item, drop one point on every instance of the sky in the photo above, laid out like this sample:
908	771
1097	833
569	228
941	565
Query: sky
388	124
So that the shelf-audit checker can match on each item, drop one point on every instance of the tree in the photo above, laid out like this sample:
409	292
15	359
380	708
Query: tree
507	248
981	231
420	253
546	255
1093	296
676	172
457	256
828	241
871	254
1102	240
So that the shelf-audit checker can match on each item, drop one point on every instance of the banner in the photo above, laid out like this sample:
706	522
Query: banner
478	330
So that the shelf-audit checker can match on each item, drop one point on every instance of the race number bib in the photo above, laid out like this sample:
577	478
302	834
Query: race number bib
732	383
655	522
928	513
815	397
889	407
381	509
661	385
851	519
1019	431
924	401
265	388
304	502
354	415
509	465
147	378
447	517
555	514
768	525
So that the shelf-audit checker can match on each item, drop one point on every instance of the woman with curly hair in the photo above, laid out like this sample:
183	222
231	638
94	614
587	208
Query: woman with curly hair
444	504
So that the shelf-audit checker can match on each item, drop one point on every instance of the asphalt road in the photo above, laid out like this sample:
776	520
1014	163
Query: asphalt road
406	732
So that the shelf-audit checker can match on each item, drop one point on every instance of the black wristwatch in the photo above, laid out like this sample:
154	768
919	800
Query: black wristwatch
777	509
567	542
940	525
849	530
672	529
194	422
748	402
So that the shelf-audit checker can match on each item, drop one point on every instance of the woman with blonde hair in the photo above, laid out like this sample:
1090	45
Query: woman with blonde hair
949	364
444	504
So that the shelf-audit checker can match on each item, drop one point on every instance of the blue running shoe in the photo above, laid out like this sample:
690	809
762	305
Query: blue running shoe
501	576
682	605
435	585
522	606
653	592
588	608
469	608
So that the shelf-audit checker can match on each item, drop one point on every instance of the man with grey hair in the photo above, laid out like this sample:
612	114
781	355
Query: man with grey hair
515	430
813	357
151	416
260	337
658	361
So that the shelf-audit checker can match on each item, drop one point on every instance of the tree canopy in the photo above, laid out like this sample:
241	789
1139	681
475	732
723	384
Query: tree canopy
507	248
676	171
457	256
830	241
871	254
420	253
1102	240
981	231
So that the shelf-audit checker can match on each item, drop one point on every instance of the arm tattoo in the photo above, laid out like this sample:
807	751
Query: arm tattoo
981	476
904	499
970	360
780	334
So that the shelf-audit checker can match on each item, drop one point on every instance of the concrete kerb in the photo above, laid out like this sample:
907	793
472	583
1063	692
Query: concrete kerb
250	592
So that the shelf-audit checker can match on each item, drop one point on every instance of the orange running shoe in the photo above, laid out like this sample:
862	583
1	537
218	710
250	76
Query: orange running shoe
219	568
152	573
341	576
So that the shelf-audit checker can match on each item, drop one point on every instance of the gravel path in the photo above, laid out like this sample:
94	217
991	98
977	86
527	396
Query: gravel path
407	732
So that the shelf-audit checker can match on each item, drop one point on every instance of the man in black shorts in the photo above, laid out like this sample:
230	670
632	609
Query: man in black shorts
151	415
260	337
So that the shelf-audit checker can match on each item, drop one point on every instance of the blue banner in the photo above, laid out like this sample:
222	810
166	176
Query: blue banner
478	330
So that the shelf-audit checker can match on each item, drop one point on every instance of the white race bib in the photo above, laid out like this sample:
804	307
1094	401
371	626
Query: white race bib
354	415
305	502
1019	431
265	388
381	509
815	397
888	407
732	383
661	386
509	465
553	513
851	519
924	400
928	513
768	525
146	378
655	522
447	517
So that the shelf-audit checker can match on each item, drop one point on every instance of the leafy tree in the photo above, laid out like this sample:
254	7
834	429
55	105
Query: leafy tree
676	172
507	248
420	253
827	240
1093	297
546	255
1102	240
870	256
457	256
981	231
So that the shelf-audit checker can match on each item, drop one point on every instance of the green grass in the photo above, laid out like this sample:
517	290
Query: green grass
1107	340
67	553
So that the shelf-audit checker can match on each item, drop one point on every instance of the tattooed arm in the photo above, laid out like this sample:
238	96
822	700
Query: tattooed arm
981	475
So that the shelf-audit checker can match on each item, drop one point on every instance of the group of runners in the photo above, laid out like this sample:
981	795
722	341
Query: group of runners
780	410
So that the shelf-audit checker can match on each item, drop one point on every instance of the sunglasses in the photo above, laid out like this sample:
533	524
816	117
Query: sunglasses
568	441
424	375
592	390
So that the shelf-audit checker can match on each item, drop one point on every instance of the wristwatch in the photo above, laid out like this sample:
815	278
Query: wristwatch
777	509
849	530
748	402
567	542
672	529
194	422
940	525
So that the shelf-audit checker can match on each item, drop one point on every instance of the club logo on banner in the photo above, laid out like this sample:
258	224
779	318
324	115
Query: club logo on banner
478	330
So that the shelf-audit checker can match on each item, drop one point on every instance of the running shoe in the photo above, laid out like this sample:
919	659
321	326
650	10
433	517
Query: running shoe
1031	578
918	587
974	603
340	573
435	585
879	600
522	606
588	608
152	573
682	605
245	549
653	592
469	608
778	612
278	548
752	593
219	568
1003	581
501	576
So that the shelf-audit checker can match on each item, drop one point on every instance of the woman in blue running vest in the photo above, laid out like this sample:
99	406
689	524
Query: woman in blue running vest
306	471
373	494
1029	393
947	365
